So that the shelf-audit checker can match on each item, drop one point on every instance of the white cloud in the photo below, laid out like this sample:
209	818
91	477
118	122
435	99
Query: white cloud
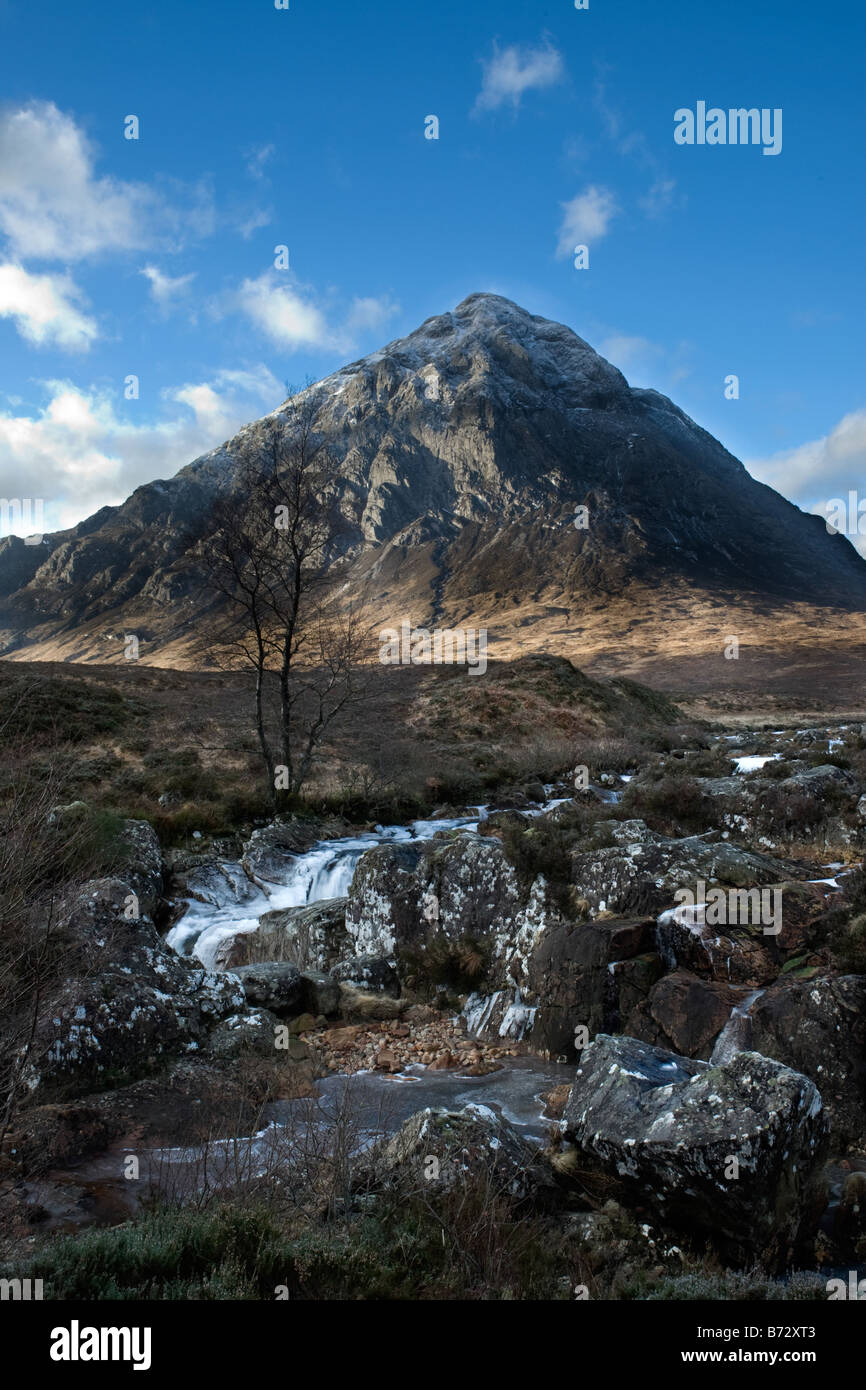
53	206
815	473
79	454
586	218
257	159
283	312
515	70
165	288
289	314
45	309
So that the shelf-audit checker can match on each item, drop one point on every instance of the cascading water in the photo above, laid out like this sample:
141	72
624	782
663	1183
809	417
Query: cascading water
235	903
736	1036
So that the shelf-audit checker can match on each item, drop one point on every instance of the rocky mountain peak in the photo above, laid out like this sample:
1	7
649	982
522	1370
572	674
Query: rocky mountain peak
465	449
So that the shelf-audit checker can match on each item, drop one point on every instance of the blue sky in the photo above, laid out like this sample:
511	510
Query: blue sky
305	127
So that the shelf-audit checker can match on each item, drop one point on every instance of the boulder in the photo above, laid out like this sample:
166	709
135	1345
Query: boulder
281	987
641	871
747	950
213	881
373	974
685	1013
142	866
498	821
439	1150
575	978
818	1026
267	854
313	937
272	851
276	985
139	858
323	993
729	1153
444	902
250	1032
125	1000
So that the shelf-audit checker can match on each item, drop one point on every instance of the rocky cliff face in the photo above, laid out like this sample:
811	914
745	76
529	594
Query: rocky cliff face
466	449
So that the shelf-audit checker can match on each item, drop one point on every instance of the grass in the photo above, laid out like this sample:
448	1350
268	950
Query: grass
473	1243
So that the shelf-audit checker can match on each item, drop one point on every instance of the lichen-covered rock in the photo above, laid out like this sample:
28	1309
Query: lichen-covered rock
408	900
139	855
576	978
642	871
275	985
214	881
313	937
371	973
767	928
818	1026
254	1031
281	987
272	851
727	1152
436	1150
267	855
126	998
142	867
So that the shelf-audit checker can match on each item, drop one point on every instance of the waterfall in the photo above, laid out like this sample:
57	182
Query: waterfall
736	1036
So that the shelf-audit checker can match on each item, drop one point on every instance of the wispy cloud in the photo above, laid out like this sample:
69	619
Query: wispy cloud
286	313
627	351
512	71
257	158
166	288
659	198
633	144
586	218
46	309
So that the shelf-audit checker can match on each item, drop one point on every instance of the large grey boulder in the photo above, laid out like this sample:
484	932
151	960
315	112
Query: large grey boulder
125	998
314	937
818	1026
281	987
642	870
416	902
728	1153
374	974
436	1150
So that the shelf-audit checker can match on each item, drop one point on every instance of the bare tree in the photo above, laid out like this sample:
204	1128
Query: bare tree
272	559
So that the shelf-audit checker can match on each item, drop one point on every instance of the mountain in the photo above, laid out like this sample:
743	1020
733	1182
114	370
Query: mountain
466	449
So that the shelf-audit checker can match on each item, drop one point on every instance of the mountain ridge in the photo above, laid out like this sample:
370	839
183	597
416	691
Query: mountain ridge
465	449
